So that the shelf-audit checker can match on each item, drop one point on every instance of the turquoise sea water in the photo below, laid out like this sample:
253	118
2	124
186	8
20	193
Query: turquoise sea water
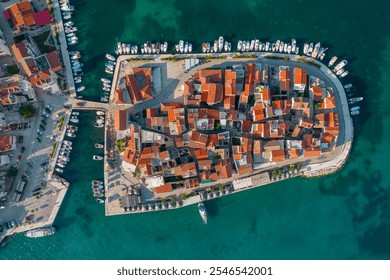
341	216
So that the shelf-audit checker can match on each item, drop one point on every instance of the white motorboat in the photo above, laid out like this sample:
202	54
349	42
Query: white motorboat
181	46
107	81
354	113
305	48
110	57
220	43
202	212
344	74
97	157
239	45
100	113
354	100
40	232
355	108
189	48
96	124
99	146
80	89
59	170
297	50
293	45
340	65
332	61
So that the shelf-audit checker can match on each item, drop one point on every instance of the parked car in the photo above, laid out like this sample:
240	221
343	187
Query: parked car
49	107
39	132
19	158
22	149
68	106
39	140
43	121
20	139
60	114
41	127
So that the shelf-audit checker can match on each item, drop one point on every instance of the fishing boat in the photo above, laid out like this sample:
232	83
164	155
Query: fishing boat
99	200
354	100
99	146
344	74
40	232
97	157
354	113
202	212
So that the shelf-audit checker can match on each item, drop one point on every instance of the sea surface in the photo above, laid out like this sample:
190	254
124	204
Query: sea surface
342	216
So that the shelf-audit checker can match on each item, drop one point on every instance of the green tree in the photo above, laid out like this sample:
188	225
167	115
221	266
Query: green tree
280	172
173	199
274	173
12	172
120	145
299	166
27	111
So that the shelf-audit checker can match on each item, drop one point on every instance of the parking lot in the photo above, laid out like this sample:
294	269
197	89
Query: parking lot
30	184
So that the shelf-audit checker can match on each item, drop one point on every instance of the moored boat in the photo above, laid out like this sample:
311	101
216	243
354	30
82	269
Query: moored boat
202	212
354	100
355	108
80	89
97	157
100	113
344	74
110	57
99	146
332	61
40	232
354	113
99	200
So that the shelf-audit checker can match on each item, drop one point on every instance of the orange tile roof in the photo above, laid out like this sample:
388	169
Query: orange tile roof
284	79
210	75
317	93
204	164
224	169
311	152
22	14
329	103
300	76
120	120
278	155
169	106
266	94
198	140
327	137
40	78
230	83
250	73
164	188
257	147
118	96
307	141
201	154
258	112
20	51
5	143
29	66
293	153
229	102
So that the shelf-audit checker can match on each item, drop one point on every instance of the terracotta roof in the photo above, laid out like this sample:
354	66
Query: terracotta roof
311	152
210	75
139	91
229	102
300	76
165	107
257	147
41	78
20	51
258	112
329	103
54	61
191	182
164	188
284	79
278	155
250	73
224	168
120	120
201	154
179	141
230	83
293	153
327	137
212	93
266	94
198	140
307	141
29	66
204	164
119	97
6	143
317	92
22	14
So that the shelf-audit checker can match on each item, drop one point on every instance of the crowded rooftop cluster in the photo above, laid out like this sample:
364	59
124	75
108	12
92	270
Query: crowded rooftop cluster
234	121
